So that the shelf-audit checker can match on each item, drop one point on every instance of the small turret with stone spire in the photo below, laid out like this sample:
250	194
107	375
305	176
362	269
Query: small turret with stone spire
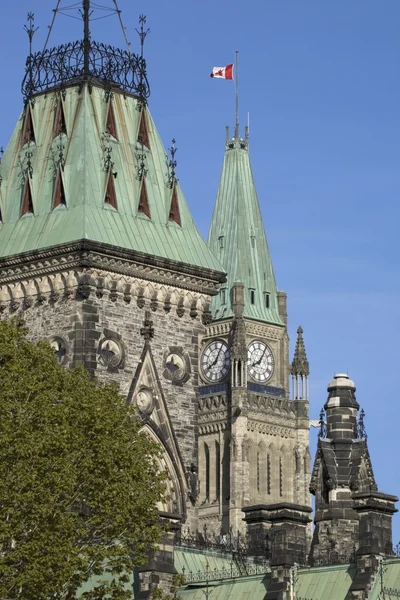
300	369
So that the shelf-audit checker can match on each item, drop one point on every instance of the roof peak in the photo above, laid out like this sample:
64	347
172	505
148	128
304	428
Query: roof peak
237	238
237	142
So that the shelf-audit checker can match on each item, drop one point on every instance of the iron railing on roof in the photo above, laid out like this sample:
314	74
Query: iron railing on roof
65	64
390	593
228	573
204	540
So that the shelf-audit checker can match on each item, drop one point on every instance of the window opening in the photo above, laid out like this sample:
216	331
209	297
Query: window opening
111	197
111	125
174	213
59	192
217	469
59	126
223	296
207	465
144	201
27	204
252	296
143	135
267	299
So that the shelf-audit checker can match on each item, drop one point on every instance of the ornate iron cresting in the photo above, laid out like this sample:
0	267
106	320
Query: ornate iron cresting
229	573
323	430
360	432
103	64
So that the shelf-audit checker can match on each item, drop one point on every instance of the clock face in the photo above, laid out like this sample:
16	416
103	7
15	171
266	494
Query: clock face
215	361
260	363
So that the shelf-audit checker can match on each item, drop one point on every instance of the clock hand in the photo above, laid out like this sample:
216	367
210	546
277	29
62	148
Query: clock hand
260	359
216	360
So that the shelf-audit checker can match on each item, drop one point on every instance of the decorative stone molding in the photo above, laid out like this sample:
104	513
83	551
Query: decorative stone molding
212	428
268	429
82	283
86	254
218	329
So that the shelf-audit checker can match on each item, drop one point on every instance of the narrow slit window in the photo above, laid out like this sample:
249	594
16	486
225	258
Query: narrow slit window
253	241
221	242
223	296
252	296
207	473
267	299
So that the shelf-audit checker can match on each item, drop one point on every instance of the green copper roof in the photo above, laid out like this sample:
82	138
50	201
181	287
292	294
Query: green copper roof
237	238
85	214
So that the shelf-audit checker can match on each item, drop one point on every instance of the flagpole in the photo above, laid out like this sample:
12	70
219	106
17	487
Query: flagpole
237	95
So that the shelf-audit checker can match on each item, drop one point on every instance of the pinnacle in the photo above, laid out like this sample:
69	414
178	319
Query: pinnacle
300	364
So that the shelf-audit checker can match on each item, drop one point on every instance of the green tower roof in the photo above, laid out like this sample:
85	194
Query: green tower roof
86	165
237	238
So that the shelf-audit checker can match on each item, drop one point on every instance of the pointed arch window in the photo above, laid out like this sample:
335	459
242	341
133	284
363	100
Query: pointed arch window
143	133
59	125
111	124
111	196
28	134
27	203
174	212
207	472
143	206
59	192
217	470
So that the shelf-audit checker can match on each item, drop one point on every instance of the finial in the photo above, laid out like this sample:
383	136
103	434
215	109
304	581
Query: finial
142	33
1	157
31	30
141	170
172	164
227	134
86	37
107	151
300	364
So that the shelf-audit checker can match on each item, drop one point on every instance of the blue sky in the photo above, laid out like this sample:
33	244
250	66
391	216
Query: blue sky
321	82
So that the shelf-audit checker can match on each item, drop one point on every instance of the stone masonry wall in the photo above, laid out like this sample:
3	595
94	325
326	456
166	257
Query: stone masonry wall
84	317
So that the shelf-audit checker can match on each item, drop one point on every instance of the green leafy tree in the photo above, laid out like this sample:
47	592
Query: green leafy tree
79	483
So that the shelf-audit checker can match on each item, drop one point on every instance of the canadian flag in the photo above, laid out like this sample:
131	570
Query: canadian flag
222	72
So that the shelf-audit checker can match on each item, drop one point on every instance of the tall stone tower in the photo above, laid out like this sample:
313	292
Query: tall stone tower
98	249
253	443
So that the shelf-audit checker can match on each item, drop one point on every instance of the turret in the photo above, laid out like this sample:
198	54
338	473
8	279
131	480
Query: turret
300	369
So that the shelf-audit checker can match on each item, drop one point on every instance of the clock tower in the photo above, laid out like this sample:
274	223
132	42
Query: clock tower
253	442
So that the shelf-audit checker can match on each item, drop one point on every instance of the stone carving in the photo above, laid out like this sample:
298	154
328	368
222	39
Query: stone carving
110	351
193	483
177	365
60	347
